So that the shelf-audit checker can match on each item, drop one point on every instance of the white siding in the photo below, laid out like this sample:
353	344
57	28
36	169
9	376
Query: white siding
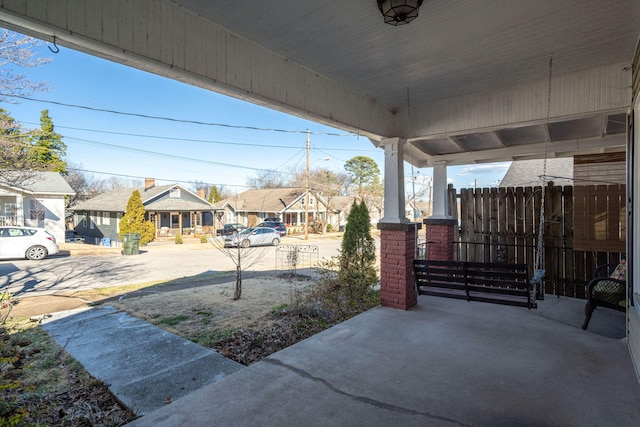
579	94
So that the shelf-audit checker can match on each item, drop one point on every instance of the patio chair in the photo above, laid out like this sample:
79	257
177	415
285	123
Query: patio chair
606	291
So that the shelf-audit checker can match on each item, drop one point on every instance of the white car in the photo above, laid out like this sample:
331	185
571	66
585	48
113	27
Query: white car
255	236
26	242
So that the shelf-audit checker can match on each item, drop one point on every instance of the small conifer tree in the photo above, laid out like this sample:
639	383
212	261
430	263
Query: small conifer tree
358	252
133	220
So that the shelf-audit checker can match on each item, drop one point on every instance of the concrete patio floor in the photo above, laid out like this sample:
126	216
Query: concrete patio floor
443	363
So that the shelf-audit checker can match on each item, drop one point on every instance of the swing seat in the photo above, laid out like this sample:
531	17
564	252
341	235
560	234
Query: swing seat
609	292
496	283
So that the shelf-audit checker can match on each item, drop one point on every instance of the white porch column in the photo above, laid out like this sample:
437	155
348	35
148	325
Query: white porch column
394	202
440	195
20	210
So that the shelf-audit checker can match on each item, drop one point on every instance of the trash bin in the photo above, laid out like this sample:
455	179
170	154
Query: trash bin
131	244
106	242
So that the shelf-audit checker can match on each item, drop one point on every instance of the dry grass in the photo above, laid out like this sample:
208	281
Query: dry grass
205	314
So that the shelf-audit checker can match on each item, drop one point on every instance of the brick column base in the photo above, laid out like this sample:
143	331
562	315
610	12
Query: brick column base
440	234
397	252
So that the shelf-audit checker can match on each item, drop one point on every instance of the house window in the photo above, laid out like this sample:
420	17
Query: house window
106	218
92	220
36	210
84	220
174	193
10	209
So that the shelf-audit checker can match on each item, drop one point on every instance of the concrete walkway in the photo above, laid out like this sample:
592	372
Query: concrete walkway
443	363
144	366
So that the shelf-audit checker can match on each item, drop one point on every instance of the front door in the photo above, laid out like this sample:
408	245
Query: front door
175	221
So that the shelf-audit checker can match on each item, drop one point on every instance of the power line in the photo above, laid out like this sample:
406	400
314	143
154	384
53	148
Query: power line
205	141
170	119
159	179
165	155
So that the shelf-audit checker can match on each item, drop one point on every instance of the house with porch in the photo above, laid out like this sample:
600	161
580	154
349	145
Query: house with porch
34	199
462	83
172	208
252	206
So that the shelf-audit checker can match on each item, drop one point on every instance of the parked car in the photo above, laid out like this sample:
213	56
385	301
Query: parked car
26	242
229	229
255	236
279	226
72	236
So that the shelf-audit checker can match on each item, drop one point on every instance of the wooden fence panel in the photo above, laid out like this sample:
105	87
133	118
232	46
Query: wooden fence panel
601	223
519	226
501	225
511	225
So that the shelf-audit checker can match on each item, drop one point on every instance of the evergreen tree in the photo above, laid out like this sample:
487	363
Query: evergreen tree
357	274
214	194
133	220
48	150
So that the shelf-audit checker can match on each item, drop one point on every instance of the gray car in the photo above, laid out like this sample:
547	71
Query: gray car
256	236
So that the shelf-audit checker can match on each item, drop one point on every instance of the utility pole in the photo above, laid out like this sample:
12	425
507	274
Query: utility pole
306	193
413	183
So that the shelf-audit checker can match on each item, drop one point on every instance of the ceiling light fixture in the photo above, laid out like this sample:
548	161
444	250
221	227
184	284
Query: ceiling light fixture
399	12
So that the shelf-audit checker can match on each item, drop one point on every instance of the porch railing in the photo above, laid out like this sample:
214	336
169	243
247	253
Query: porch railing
8	220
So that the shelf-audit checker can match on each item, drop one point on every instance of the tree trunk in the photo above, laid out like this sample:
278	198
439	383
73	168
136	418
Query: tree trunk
238	291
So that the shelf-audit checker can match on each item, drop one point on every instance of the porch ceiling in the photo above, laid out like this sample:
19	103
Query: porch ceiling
465	82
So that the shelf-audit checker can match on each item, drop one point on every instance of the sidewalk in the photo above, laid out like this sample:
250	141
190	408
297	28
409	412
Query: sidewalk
443	363
145	367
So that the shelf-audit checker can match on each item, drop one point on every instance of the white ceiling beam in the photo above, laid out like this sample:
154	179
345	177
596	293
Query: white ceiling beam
529	151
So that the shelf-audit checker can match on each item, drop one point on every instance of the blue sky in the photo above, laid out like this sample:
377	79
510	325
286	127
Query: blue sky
223	155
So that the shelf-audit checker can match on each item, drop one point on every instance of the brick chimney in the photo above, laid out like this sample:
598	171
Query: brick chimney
201	193
149	183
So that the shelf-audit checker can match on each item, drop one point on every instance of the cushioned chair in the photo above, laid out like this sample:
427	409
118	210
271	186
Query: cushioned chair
608	291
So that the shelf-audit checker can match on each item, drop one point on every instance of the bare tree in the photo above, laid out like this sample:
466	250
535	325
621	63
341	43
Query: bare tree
241	253
85	185
17	51
268	179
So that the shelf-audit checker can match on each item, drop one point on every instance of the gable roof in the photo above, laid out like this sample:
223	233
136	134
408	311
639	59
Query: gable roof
527	173
42	183
265	199
116	200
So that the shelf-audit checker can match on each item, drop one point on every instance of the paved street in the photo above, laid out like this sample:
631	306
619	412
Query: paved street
62	273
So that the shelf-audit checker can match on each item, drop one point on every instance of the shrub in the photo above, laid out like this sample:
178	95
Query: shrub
347	282
178	239
203	239
329	228
133	220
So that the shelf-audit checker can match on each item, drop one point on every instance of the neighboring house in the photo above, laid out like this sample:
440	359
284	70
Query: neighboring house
590	169
253	206
172	208
528	173
342	207
416	211
34	199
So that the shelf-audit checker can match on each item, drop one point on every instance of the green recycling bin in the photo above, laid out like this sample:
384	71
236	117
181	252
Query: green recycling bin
131	244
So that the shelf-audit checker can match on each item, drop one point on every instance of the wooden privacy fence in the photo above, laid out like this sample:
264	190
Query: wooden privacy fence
584	226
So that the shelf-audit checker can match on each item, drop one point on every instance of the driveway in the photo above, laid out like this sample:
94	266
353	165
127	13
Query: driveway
60	274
